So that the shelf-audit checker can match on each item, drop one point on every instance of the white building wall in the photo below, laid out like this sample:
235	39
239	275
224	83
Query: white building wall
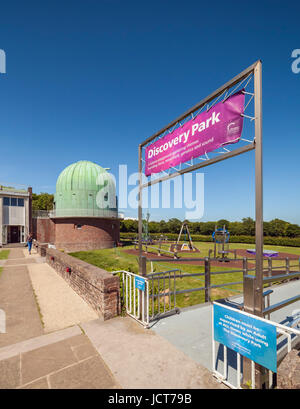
14	215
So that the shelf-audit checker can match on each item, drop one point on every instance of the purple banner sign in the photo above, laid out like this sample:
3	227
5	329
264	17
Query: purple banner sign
220	125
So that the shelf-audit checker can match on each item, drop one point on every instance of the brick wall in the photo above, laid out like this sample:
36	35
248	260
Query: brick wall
94	233
44	230
77	233
99	288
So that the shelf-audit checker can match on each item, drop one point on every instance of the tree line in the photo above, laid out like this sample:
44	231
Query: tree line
275	227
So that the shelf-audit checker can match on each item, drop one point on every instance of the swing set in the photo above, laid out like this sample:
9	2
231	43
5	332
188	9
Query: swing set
187	245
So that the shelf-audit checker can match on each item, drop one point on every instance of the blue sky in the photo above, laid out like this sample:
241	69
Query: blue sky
92	79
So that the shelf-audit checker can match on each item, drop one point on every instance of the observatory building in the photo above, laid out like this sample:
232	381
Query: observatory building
85	214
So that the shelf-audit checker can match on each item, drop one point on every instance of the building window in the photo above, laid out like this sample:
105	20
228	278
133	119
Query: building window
106	197
13	201
79	226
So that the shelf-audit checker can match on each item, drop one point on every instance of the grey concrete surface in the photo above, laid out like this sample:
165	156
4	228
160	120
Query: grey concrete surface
71	363
191	330
140	358
17	300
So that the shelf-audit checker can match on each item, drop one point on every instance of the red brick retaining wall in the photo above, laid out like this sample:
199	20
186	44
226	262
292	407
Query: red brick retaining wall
78	233
99	288
86	233
44	230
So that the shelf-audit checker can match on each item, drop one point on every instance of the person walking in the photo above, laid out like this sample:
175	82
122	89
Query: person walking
29	242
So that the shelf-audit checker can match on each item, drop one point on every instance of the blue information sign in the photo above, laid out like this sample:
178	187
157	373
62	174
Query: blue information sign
251	337
140	283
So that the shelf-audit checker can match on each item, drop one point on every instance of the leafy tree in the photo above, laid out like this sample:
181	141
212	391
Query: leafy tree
153	227
223	222
208	228
42	201
277	227
163	227
129	226
293	230
236	228
248	226
174	225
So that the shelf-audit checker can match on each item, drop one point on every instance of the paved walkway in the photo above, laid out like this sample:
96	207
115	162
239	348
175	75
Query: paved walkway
18	301
71	363
28	357
59	304
144	359
38	351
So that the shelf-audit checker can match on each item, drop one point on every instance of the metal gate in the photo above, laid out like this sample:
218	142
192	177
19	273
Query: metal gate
162	293
135	295
149	298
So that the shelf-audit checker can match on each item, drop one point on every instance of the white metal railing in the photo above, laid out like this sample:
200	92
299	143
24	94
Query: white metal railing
136	301
282	330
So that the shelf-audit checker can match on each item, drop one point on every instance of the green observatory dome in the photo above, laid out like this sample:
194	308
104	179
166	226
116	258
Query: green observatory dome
85	189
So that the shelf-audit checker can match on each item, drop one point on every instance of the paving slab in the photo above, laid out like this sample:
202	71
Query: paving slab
140	358
39	384
10	373
18	302
71	363
91	373
31	344
42	361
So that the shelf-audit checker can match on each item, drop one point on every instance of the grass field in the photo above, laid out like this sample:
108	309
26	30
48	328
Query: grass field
117	259
4	254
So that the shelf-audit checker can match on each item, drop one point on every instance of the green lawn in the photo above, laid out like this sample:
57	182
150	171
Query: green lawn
4	254
117	259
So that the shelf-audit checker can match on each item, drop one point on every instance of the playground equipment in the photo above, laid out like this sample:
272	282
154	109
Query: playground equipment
158	250
186	245
146	238
266	253
146	235
221	243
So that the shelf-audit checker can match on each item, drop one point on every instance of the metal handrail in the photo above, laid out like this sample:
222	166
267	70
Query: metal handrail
245	271
281	304
280	277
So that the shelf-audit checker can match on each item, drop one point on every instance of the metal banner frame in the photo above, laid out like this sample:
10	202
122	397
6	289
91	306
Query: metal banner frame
253	285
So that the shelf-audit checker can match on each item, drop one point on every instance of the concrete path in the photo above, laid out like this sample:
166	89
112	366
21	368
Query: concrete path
32	294
118	353
140	358
17	300
59	304
64	360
